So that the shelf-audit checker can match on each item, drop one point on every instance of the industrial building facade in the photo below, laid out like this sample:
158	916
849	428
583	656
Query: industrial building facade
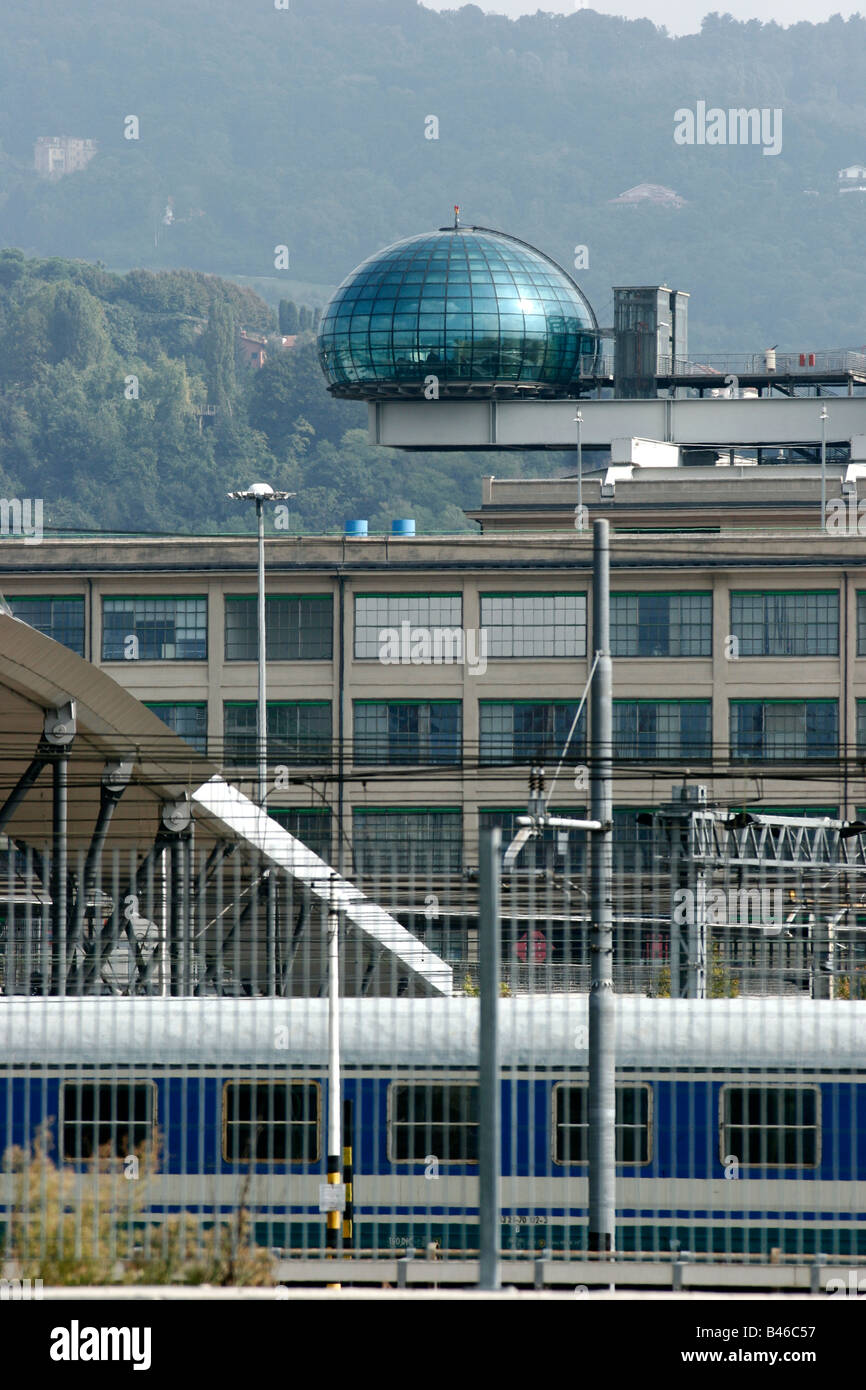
413	683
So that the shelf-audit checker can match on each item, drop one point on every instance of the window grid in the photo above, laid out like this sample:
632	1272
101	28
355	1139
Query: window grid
770	1126
407	840
168	629
407	732
61	618
270	1122
187	719
116	1115
433	1118
529	732
771	729
534	625
861	622
632	1124
299	733
312	826
632	839
297	627
662	728
375	614
661	624
786	624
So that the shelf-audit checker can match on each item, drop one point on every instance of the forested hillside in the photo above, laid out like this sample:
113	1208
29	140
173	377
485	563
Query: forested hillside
281	145
126	405
305	126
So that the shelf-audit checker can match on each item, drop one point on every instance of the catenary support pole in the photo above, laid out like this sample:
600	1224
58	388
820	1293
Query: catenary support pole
59	817
262	711
602	1062
490	1144
334	1088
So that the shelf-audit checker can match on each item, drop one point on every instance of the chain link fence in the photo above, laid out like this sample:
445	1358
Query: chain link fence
171	1090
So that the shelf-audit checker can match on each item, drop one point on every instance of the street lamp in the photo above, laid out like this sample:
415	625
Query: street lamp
578	420
260	493
824	418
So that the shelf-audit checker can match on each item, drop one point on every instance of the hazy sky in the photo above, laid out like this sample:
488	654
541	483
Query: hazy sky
680	16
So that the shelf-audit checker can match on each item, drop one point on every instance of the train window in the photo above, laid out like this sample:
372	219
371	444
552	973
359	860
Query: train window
433	1119
770	1126
571	1124
271	1122
116	1117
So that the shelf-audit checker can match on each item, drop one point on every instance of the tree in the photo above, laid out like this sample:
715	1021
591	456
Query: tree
218	350
289	319
78	332
305	318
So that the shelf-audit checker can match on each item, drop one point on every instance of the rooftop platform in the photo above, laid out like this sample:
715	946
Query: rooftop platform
750	422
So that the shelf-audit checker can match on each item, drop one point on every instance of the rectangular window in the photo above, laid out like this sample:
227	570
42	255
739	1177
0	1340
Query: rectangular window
770	1126
644	624
786	623
861	622
861	726
433	1118
298	627
311	825
526	731
163	629
411	731
662	729
271	1122
534	625
632	1124
407	840
61	618
299	733
768	729
188	719
633	845
106	1118
379	616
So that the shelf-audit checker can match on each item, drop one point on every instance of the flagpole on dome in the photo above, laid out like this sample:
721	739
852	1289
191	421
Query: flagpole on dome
456	216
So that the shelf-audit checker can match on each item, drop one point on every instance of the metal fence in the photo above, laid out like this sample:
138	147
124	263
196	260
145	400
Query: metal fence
175	1070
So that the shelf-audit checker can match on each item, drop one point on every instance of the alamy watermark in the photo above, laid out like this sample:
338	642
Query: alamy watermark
741	907
853	1287
845	516
22	517
735	126
20	1290
434	646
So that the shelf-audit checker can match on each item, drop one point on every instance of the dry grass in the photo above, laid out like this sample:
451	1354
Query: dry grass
73	1228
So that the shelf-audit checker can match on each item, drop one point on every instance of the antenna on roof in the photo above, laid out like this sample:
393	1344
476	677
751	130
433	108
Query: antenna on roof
456	215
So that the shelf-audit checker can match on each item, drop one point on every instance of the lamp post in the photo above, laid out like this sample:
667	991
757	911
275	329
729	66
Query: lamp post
824	418
578	420
260	493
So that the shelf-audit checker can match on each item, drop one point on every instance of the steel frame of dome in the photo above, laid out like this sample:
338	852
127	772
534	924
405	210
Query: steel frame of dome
548	359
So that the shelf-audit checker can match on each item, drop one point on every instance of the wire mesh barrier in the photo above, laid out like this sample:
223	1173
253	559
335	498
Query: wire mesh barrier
184	1095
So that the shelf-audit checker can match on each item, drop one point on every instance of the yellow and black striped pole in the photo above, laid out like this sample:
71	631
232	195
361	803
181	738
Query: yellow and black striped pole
332	1231
349	1211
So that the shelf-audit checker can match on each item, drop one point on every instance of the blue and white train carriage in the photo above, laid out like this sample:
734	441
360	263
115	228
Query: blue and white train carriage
740	1126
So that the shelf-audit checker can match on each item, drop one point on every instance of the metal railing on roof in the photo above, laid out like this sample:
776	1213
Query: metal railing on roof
808	364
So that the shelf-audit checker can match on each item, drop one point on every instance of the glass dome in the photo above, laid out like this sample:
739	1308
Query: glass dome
482	312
